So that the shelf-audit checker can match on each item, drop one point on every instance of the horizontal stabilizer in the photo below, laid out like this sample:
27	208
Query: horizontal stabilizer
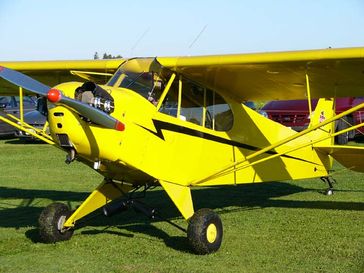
351	157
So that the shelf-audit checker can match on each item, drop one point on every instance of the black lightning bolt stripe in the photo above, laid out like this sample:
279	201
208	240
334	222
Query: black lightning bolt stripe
162	125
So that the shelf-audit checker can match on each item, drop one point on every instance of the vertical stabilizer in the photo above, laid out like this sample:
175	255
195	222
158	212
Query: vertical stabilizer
324	110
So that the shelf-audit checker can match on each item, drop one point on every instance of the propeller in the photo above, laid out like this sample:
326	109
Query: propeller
55	96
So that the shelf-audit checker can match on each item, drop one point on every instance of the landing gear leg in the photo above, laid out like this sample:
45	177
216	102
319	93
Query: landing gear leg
329	180
57	221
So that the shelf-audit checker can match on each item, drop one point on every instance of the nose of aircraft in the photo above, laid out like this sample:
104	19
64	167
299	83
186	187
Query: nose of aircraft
55	96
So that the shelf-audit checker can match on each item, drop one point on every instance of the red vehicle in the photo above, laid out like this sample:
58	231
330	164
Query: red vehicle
295	114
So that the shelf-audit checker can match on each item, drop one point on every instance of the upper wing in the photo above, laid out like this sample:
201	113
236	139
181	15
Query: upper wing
52	73
277	75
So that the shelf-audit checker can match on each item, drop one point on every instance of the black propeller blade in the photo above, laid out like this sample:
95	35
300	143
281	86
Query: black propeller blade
55	96
24	81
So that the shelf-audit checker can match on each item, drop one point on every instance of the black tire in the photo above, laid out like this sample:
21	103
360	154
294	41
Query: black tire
205	232
342	139
49	221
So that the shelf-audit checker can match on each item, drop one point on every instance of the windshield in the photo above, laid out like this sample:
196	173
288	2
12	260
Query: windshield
140	75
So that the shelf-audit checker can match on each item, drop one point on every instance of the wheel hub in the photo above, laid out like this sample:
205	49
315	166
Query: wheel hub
211	233
60	223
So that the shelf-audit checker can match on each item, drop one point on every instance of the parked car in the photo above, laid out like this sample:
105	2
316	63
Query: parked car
295	114
359	115
36	118
10	105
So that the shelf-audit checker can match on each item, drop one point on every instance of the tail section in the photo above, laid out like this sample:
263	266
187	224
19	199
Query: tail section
324	110
351	157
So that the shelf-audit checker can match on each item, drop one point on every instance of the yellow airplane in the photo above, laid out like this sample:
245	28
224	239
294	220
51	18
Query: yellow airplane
180	122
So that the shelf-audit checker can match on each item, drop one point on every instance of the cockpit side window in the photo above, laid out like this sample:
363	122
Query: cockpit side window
170	103
186	99
192	104
218	113
198	105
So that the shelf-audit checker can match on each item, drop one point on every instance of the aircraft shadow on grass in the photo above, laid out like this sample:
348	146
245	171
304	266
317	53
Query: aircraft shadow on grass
223	199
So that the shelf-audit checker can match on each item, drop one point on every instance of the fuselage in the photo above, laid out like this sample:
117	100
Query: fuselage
183	143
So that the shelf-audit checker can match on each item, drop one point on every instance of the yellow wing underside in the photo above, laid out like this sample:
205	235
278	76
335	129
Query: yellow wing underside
277	75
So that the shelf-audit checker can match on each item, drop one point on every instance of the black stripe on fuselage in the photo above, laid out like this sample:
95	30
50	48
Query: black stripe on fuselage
162	125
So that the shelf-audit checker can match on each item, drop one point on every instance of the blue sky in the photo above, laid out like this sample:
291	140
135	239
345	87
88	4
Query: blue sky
76	29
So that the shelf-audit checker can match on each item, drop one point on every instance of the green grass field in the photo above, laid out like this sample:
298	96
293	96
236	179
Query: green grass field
270	227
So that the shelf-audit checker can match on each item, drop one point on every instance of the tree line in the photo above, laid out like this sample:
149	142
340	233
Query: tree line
106	56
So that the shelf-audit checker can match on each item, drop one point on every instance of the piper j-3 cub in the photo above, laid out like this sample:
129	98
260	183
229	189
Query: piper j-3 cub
180	122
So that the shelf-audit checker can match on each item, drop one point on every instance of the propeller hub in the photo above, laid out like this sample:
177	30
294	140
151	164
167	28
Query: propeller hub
54	95
119	126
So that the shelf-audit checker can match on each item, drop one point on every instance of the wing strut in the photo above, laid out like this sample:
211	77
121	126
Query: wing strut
21	125
308	94
36	133
21	106
294	149
231	167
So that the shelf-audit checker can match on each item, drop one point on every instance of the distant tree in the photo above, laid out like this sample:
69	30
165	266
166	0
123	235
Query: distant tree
109	56
106	56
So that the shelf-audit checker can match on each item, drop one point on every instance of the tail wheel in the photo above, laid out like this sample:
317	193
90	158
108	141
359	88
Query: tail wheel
51	222
205	231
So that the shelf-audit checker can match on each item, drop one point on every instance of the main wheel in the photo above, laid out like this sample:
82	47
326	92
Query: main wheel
205	231
51	222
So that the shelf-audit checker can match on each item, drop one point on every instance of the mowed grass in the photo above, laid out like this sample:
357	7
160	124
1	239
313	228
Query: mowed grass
269	227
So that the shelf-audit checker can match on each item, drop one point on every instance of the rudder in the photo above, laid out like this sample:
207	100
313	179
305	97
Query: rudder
324	110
